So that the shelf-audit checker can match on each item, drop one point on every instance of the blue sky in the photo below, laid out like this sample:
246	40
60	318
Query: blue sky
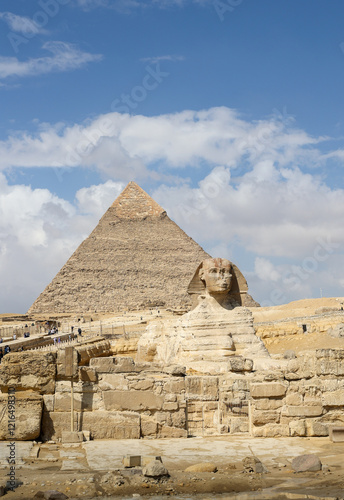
228	112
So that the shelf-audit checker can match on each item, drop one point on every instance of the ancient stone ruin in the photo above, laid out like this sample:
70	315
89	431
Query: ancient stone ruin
198	370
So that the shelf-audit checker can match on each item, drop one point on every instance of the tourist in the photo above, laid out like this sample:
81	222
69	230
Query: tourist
14	336
79	331
1	354
72	328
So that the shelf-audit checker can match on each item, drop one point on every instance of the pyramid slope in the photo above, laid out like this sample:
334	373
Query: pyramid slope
136	257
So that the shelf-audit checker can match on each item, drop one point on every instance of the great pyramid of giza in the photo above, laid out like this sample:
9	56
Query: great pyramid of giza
136	257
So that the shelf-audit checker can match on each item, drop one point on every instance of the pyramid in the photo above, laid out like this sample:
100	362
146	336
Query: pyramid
135	258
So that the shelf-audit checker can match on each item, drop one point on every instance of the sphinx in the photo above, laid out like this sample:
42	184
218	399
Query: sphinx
216	328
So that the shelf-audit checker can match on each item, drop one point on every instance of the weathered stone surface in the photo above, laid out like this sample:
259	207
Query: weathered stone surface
134	242
294	399
101	424
172	432
202	388
113	364
112	381
268	404
87	374
297	428
149	426
238	425
268	390
304	411
330	362
132	400
202	467
306	463
25	412
155	469
265	417
82	402
335	398
271	430
29	370
337	331
316	428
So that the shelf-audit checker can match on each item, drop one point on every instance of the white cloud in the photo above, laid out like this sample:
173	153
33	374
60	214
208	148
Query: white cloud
282	224
65	57
21	24
123	145
38	233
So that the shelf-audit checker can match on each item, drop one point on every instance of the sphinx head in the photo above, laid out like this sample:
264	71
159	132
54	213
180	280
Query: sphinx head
216	275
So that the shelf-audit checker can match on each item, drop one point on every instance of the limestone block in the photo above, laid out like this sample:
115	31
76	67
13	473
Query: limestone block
240	364
265	417
268	404
294	399
335	398
48	402
238	425
304	411
114	364
94	350
101	424
29	370
175	386
149	426
179	418
240	384
204	388
142	385
164	418
87	374
82	402
171	398
312	401
330	362
172	432
79	387
112	425
132	400
316	428
155	469
21	416
270	390
113	381
330	384
271	430
53	423
170	406
297	428
72	437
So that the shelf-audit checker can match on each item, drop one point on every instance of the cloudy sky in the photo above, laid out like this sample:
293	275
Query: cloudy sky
229	113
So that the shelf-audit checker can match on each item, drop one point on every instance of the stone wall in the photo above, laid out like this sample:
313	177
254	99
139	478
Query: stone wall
116	398
306	399
300	325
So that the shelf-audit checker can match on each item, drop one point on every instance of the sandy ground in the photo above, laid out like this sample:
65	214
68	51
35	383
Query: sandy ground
94	469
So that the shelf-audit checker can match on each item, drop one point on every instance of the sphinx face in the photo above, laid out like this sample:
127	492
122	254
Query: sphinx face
217	279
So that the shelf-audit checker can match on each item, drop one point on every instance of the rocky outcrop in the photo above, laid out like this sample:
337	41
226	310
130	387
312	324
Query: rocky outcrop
20	416
29	370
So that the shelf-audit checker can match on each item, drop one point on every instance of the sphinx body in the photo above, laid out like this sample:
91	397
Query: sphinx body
217	328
